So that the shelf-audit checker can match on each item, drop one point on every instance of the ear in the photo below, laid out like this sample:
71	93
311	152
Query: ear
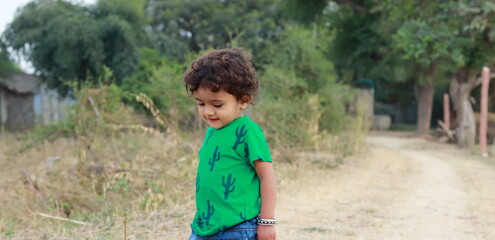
245	100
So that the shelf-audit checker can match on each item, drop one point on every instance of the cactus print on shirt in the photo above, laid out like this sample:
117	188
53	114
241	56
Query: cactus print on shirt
227	187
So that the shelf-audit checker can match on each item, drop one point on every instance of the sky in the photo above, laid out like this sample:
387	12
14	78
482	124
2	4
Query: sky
7	12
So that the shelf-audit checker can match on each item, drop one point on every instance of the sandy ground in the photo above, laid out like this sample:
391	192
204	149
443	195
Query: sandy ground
400	188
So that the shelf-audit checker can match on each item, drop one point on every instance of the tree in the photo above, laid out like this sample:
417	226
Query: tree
453	36
202	25
472	49
377	42
69	42
362	48
421	37
430	41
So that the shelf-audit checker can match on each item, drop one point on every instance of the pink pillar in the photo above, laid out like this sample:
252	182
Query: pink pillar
485	81
446	110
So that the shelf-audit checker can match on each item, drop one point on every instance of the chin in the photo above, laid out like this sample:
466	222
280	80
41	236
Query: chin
215	125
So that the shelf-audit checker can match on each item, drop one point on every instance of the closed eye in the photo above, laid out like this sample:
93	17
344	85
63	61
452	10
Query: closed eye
218	105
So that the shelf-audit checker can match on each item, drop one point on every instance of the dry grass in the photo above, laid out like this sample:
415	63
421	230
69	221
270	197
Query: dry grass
109	180
147	178
142	188
116	178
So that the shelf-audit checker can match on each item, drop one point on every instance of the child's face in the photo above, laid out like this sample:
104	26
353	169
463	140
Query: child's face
218	109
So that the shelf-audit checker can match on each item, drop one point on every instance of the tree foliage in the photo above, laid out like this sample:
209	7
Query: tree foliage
7	66
456	33
202	25
66	42
395	43
446	40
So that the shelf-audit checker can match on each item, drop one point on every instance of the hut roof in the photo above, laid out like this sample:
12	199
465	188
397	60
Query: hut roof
20	83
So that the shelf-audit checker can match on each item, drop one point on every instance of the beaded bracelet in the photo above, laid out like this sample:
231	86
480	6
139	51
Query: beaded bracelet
266	221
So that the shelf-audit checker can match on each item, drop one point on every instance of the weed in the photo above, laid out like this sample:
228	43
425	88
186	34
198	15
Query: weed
7	226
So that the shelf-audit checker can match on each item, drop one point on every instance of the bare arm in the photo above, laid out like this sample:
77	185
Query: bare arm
268	198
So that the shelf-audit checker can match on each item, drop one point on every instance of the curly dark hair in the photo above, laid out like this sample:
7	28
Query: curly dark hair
225	69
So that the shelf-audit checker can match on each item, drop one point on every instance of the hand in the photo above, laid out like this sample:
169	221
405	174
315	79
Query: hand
266	232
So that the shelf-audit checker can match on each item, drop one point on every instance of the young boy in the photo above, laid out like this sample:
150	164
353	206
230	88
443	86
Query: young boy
235	182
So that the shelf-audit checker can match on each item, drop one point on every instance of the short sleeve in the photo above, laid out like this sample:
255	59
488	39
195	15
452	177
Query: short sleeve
256	146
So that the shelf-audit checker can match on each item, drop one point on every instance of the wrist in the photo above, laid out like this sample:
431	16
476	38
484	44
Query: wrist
266	215
266	226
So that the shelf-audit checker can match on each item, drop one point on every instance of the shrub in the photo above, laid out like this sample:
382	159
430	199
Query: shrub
301	102
161	80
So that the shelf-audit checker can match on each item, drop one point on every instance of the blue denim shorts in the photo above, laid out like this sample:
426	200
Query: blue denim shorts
242	231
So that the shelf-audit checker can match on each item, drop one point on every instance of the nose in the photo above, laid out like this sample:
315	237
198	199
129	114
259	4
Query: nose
208	111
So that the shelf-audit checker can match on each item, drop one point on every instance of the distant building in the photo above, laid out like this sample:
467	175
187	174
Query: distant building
50	107
26	102
16	102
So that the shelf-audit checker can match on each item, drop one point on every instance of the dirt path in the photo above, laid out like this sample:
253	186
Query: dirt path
401	188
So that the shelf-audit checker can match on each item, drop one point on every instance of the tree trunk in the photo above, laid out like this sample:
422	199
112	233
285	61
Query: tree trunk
424	97
460	90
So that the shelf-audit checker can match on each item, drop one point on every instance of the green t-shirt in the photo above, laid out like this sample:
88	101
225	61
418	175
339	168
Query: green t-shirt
227	187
